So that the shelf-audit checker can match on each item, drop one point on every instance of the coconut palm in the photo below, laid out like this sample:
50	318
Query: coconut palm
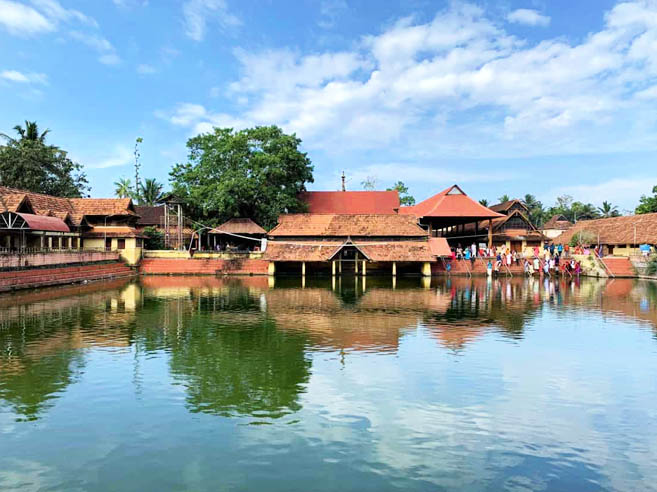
123	188
535	208
150	192
608	210
483	202
30	132
504	198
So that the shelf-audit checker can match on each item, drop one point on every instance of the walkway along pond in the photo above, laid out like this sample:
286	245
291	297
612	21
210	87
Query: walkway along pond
201	383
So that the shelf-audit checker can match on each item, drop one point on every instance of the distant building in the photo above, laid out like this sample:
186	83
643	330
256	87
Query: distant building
514	230
351	202
154	216
34	221
238	234
620	236
556	226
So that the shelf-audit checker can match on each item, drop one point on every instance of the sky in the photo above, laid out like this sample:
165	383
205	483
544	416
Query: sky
502	97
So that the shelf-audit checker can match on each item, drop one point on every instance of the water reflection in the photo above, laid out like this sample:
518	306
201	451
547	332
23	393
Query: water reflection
455	383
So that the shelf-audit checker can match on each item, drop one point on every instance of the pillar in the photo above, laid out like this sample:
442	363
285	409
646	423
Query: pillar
426	269
490	233
70	243
364	268
426	282
303	268
271	269
394	269
271	282
356	265
333	270
340	267
43	242
49	242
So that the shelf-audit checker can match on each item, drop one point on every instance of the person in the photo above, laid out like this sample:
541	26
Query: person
560	249
552	264
459	252
537	264
489	268
498	264
578	268
467	253
452	254
546	267
552	249
474	250
537	251
508	258
566	248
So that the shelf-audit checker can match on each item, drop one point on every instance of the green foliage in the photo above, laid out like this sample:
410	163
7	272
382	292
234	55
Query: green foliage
652	266
150	192
504	198
404	198
583	238
483	202
608	210
257	173
573	210
647	204
154	238
535	210
29	163
123	188
369	183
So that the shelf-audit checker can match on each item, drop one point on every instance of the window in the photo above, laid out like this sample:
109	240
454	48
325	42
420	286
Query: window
139	242
120	244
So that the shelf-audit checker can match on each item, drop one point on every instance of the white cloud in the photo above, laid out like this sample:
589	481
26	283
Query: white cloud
623	192
197	13
528	17
24	78
20	19
330	11
105	49
120	156
54	10
199	119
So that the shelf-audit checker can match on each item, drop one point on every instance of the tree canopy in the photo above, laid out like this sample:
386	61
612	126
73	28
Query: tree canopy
404	198
256	172
647	204
28	163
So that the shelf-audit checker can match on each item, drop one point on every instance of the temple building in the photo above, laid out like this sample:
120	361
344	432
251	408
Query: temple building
447	214
351	202
34	221
351	243
155	217
556	226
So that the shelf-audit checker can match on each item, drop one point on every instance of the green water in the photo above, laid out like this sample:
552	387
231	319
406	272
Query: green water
197	384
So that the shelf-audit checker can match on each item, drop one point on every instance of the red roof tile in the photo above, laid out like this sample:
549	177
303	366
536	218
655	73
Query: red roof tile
239	226
452	202
351	202
439	246
361	225
616	230
325	250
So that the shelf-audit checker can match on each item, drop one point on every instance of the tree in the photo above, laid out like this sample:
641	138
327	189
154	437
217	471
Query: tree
257	173
608	210
404	198
369	183
137	155
151	192
30	164
123	188
483	202
154	238
504	198
535	210
647	204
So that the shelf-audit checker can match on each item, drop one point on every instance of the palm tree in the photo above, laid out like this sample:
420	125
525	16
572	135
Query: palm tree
504	198
123	188
150	192
535	207
30	132
608	210
483	202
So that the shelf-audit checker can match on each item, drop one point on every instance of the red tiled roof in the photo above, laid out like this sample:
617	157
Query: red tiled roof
113	231
149	215
44	223
504	206
361	225
325	250
239	226
439	246
452	202
558	222
11	202
351	202
616	230
103	206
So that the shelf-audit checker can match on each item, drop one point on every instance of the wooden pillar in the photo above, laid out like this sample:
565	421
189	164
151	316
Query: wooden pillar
394	269
333	269
43	241
303	268
49	242
271	269
364	268
340	267
356	264
70	243
490	233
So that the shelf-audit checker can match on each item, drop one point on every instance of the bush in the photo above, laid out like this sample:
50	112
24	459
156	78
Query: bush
583	238
154	238
652	266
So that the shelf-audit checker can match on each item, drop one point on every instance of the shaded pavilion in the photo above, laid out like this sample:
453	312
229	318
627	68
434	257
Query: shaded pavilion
447	213
227	235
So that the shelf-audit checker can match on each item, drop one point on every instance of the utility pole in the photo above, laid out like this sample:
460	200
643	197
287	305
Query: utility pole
344	188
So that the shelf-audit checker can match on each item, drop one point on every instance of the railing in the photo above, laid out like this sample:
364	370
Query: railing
604	266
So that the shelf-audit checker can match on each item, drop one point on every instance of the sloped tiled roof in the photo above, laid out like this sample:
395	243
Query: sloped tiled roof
351	202
452	202
505	206
558	222
239	226
103	206
617	230
149	215
439	246
325	250
11	202
362	225
113	231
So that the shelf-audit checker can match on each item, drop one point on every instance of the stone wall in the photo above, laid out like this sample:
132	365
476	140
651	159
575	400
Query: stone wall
16	260
202	266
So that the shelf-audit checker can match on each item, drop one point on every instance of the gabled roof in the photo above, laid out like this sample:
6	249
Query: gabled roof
439	246
452	202
14	202
325	250
500	221
149	215
351	202
628	229
505	206
103	206
333	225
239	226
558	222
33	222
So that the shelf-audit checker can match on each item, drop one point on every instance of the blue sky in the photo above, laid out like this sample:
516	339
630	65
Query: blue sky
502	97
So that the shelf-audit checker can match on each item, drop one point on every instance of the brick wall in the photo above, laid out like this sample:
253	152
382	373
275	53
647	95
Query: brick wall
201	266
